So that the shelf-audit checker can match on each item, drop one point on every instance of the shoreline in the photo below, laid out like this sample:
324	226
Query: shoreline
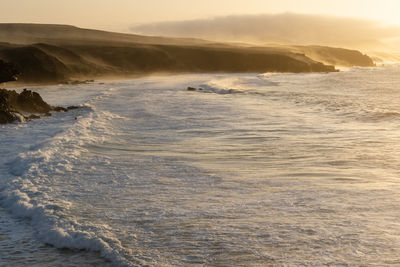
47	54
105	78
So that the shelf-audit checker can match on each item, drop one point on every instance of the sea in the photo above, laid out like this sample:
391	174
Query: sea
247	170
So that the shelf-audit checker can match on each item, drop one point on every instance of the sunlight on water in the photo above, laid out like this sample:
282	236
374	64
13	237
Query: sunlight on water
252	170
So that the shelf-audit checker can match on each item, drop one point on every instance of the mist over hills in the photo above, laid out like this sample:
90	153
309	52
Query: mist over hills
27	33
57	53
286	28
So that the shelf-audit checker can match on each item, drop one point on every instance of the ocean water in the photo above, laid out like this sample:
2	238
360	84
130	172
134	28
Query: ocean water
253	170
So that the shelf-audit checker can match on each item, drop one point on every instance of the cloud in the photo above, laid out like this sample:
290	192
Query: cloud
287	28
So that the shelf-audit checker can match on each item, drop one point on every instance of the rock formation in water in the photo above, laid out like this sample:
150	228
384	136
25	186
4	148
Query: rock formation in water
24	106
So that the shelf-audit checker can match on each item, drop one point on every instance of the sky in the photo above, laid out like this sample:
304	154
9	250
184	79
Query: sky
120	15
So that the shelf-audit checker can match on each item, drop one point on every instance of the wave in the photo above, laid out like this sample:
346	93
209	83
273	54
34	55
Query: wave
347	108
378	115
27	190
235	85
204	88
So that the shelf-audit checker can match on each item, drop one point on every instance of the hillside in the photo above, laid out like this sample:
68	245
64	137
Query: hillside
335	56
56	53
23	33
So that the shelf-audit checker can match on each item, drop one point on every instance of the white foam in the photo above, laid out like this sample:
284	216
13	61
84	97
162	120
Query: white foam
65	233
233	85
19	117
25	191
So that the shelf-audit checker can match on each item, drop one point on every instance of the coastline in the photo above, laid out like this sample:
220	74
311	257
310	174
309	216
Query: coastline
40	63
150	116
19	85
43	55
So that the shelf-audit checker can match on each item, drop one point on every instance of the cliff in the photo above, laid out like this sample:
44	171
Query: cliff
56	63
55	53
335	56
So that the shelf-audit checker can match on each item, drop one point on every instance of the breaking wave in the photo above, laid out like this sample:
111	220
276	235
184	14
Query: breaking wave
235	85
27	190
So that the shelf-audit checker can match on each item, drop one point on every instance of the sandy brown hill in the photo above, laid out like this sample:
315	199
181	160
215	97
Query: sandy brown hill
50	63
335	56
54	53
25	33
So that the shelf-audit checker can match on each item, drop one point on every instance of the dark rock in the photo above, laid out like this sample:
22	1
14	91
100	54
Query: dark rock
72	107
32	102
191	89
7	117
8	72
58	109
76	82
33	116
7	110
14	105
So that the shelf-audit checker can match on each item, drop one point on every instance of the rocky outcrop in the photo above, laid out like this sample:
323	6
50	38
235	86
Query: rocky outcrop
335	56
8	73
24	106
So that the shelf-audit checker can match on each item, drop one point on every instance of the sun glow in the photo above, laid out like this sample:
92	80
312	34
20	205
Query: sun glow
124	13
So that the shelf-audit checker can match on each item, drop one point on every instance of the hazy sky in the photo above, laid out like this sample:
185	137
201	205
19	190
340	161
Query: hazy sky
120	14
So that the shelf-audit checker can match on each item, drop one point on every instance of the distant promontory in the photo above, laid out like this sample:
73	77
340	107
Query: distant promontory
58	53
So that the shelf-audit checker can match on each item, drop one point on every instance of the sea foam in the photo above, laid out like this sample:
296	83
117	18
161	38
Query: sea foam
26	190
